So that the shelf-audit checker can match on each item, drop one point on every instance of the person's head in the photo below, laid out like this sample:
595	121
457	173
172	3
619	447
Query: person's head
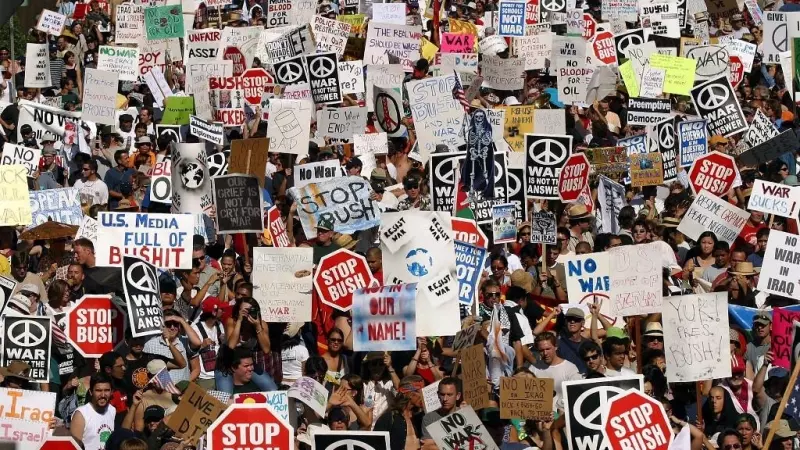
100	390
746	426
121	158
69	58
654	336
449	393
135	344
729	439
547	345
762	237
324	232
338	419
707	241
591	354
374	259
529	255
16	375
199	252
335	341
574	319
244	290
615	351
354	384
83	249
354	166
499	265
19	265
717	398
134	443
524	234
58	294
89	170
640	231
316	368
146	115
411	184
242	366
491	292
67	84
721	254
172	324
562	241
762	325
410	393
626	217
228	261
583	248
113	365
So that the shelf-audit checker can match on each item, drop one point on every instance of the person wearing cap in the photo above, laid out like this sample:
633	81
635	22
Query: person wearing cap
760	343
212	334
414	199
49	167
407	410
572	336
144	149
19	271
31	291
579	226
325	244
121	173
93	423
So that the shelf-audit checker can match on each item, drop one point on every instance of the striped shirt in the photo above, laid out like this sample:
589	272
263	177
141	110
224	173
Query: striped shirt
157	346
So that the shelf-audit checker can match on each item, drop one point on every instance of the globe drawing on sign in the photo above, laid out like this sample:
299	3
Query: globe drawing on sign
192	175
419	262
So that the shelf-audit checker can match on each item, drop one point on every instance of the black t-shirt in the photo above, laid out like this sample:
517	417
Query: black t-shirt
10	116
246	388
136	376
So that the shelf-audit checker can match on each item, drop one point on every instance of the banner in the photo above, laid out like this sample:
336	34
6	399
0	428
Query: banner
238	202
710	213
545	157
164	240
636	279
460	430
282	278
130	24
588	278
163	22
59	205
696	337
15	205
19	155
100	97
143	297
344	201
543	228
781	265
692	140
191	182
208	131
781	338
773	198
470	261
37	67
526	397
124	61
647	111
384	318
716	102
28	339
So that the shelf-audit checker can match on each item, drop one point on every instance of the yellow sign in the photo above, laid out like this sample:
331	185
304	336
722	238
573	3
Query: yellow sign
459	26
15	203
356	22
679	72
518	122
629	78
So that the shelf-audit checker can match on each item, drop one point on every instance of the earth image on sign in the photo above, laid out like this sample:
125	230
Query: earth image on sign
419	262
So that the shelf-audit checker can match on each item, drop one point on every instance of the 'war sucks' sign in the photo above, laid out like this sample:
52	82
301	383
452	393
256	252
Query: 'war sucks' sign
716	102
141	286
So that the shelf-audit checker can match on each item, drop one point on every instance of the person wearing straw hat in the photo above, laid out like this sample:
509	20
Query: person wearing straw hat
580	220
741	284
15	375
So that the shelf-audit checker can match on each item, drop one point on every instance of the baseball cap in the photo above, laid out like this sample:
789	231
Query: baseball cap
29	288
762	318
575	312
737	364
153	413
325	224
211	304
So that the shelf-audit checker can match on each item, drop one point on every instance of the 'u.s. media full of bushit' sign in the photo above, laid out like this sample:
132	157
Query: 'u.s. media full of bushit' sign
163	240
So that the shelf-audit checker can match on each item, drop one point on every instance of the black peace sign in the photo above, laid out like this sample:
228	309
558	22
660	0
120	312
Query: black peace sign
780	37
548	152
666	136
26	333
321	67
290	72
712	96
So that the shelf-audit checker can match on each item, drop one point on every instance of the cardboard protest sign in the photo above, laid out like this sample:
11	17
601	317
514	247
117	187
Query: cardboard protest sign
779	269
716	102
710	213
163	22
461	429
311	393
100	96
238	202
283	280
775	36
59	205
588	402
278	401
130	24
647	111
331	34
124	61
164	240
526	397
781	337
692	141
249	157
545	155
773	198
289	126
344	201
202	45
502	74
696	338
436	94
402	41
191	182
588	277
384	318
28	338
785	142
367	440
305	174
195	413
19	155
429	260
636	280
466	337
475	391
647	169
457	43
142	291
37	66
51	22
469	264
208	131
15	206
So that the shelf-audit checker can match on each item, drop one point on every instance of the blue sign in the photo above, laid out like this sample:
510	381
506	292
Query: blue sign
59	205
693	141
512	18
385	318
469	264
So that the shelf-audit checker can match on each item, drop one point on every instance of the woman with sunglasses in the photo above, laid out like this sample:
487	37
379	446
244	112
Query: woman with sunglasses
338	364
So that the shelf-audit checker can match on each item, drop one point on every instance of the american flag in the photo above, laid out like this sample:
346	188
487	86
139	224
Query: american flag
793	404
164	381
458	94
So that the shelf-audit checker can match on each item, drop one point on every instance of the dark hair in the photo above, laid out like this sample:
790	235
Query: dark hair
500	258
626	217
657	379
92	165
335	330
587	347
725	433
55	293
610	342
315	367
721	245
546	336
451	381
515	293
240	353
763	232
99	378
83	242
529	251
118	155
107	360
229	253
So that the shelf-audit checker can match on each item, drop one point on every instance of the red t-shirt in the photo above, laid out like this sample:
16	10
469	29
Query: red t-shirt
748	235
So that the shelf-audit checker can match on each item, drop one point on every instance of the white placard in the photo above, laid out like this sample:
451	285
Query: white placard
402	41
305	174
282	281
437	115
37	66
377	143
772	198
164	240
341	123
331	35
130	24
289	126
710	213
394	13
587	276
503	74
17	154
636	279
780	272
351	77
124	61
100	96
51	22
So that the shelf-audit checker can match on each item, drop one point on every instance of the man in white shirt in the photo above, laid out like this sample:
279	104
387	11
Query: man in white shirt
93	423
616	348
90	185
553	366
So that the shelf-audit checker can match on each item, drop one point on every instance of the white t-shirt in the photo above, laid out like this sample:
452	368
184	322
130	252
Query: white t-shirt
623	372
563	371
96	190
98	426
208	355
379	396
293	359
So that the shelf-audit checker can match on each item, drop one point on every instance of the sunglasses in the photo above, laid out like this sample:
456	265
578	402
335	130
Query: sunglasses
591	357
732	447
335	340
172	324
410	186
574	320
656	339
492	295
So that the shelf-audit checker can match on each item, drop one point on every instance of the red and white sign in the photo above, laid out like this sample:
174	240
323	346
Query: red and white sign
531	12
60	443
589	26
276	228
737	70
469	232
714	172
339	275
255	82
574	177
604	48
250	426
636	421
238	58
95	325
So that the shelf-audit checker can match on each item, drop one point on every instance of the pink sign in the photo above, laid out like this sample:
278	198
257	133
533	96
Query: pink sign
782	336
457	43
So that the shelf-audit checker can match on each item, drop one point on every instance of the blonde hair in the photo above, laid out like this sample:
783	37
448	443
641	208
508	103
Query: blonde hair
133	444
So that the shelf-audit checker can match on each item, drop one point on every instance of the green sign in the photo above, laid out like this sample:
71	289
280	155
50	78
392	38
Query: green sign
177	110
163	22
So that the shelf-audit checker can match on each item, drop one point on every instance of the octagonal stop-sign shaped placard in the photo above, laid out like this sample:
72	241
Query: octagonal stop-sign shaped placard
249	426
635	421
574	177
714	172
340	274
95	325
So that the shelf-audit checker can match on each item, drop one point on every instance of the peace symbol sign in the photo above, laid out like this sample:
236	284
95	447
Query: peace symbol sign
548	152
26	333
628	40
553	5
444	169
348	444
712	96
321	67
594	420
666	136
290	72
514	184
141	276
780	37
387	112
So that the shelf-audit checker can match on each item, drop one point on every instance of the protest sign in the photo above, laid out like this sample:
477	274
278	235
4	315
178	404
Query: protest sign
668	147
289	126
276	228
311	393
647	111
636	280
124	61
305	174
249	157
588	278
516	193
543	228
331	35
526	397
163	22
238	202
402	41
202	45
278	401
59	205
161	181
278	13
130	24
88	229
351	77
338	275
773	198
609	161
394	13
710	213
163	240
466	337
282	277
534	49
546	156
512	18
678	72
457	43
502	74
504	223
429	260
142	291
197	410
430	394
714	172
716	102
775	36
100	96
442	179
696	338
375	143
344	201
28	338
712	61
785	142
692	141
27	405
94	325
341	123
384	318
367	440
781	342
611	200
15	206
475	391
780	269
647	169
323	75
19	155
177	110
761	129
51	22
469	264
36	434
191	182
652	82
435	94
461	429
206	130
37	67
